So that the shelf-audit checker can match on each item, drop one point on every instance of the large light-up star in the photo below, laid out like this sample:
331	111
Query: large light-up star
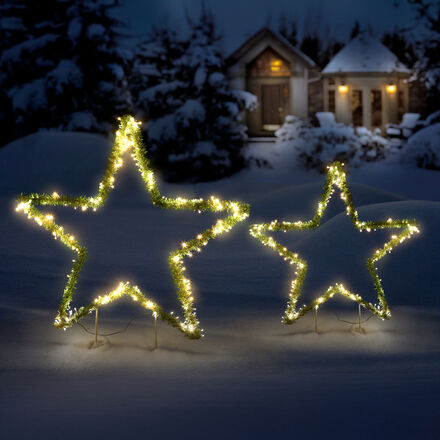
335	177
128	138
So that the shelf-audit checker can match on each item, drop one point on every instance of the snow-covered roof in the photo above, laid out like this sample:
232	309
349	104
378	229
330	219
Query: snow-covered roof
265	32
365	54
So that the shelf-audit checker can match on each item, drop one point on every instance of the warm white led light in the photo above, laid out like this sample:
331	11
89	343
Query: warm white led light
128	137
335	177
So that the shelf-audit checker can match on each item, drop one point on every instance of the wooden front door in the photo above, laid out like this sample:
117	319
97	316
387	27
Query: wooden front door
272	105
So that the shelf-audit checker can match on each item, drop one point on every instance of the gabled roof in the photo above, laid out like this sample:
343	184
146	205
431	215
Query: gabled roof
265	32
365	54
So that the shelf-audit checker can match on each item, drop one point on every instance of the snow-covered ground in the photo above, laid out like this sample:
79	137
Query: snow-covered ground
250	377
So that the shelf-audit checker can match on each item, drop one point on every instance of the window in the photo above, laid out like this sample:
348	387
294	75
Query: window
269	63
400	105
357	110
376	108
331	101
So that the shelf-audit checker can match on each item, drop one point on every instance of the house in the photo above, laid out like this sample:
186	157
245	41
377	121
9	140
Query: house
364	84
277	73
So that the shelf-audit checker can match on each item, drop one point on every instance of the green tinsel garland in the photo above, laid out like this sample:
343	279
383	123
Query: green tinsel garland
335	177
128	137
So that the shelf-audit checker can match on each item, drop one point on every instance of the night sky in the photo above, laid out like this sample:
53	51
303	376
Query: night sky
239	19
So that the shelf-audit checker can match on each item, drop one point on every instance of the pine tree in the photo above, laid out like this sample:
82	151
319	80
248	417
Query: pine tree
25	61
194	129
288	28
330	47
355	30
397	42
12	33
311	46
154	64
427	44
93	44
318	45
67	72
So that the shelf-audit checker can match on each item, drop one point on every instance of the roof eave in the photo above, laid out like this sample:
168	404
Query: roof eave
242	49
365	72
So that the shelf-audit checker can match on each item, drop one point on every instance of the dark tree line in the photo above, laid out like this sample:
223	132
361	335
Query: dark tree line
322	46
427	45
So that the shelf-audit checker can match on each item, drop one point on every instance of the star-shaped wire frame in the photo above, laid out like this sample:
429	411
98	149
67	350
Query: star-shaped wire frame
129	138
335	177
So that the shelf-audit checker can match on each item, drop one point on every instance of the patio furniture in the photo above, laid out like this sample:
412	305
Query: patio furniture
405	129
327	119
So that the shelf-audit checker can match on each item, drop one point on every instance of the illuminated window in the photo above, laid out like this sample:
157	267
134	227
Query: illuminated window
269	63
275	65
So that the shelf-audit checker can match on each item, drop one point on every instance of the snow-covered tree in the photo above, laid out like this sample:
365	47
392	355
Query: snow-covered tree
67	70
154	64
194	129
426	36
91	84
12	32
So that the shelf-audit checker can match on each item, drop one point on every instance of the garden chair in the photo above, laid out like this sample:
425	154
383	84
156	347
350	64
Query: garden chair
327	119
405	129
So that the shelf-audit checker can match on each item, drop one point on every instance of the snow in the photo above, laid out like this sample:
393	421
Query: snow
162	128
216	79
423	148
66	73
250	377
205	148
148	70
74	29
365	54
250	101
232	107
95	30
15	53
160	89
117	70
81	121
193	111
105	86
410	120
326	119
316	146
11	24
30	96
433	118
200	76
